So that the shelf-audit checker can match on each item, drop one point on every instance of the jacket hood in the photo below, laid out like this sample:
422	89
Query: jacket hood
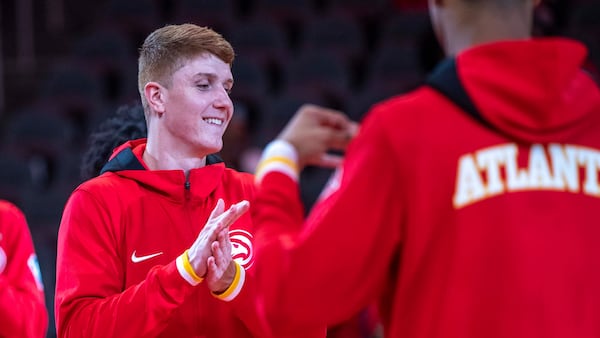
126	161
530	90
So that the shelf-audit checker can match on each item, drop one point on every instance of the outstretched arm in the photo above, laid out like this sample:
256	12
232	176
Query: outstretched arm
340	259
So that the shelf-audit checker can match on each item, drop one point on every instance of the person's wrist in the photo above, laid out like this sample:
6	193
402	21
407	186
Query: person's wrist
279	155
227	280
235	287
186	270
196	263
283	146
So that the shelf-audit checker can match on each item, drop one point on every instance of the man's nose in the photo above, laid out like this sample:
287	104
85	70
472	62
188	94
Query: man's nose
223	98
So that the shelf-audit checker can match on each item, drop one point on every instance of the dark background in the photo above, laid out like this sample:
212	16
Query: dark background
66	65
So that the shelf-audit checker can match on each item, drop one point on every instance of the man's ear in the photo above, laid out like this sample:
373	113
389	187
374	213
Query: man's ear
154	94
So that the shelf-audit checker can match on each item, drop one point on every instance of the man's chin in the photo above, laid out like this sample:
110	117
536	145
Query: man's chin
213	150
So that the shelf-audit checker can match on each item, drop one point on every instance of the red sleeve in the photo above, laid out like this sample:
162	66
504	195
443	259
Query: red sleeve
340	260
248	304
90	300
22	307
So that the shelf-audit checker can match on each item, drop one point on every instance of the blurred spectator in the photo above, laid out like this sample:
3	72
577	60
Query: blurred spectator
22	307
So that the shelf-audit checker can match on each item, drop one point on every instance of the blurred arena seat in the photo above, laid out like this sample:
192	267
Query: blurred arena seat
216	14
340	36
316	73
260	41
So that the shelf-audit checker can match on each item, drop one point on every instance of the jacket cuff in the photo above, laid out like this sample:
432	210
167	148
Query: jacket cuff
279	156
186	270
236	286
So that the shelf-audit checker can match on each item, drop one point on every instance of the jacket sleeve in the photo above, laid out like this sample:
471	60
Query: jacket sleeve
341	259
244	303
22	306
90	300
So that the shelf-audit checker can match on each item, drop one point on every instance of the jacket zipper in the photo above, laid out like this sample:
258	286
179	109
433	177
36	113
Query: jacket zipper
187	188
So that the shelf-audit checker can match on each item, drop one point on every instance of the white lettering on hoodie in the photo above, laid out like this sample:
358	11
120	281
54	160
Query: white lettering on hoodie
495	170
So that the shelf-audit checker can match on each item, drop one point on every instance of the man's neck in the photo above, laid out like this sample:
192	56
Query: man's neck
156	159
468	30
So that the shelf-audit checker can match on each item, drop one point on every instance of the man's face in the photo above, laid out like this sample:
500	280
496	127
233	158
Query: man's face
197	106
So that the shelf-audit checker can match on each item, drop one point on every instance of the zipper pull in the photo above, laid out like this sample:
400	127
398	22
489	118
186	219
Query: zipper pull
187	185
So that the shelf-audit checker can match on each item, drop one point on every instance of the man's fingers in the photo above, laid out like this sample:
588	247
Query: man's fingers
218	208
353	129
339	139
216	257
243	206
211	266
330	161
219	254
214	247
334	119
335	126
231	215
224	234
224	240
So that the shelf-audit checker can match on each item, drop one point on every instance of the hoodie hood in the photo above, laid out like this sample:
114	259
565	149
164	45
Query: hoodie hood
126	161
530	90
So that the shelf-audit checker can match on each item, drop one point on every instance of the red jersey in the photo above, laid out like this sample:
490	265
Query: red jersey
468	207
22	306
119	238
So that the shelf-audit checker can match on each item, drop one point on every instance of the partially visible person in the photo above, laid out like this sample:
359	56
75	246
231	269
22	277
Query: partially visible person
22	306
127	123
465	208
140	250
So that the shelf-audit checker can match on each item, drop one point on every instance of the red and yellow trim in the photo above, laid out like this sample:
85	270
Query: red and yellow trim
186	270
236	286
279	156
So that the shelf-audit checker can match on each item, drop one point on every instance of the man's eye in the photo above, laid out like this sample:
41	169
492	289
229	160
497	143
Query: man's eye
203	85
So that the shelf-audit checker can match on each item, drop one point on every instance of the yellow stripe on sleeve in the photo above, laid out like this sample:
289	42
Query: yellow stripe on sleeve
236	286
186	270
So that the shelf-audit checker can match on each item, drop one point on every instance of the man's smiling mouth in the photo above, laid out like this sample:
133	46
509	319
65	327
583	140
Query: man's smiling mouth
212	120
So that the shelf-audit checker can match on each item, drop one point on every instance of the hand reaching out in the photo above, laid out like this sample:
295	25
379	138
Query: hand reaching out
314	130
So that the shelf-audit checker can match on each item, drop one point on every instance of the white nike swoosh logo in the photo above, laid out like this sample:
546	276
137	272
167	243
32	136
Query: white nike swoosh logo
137	259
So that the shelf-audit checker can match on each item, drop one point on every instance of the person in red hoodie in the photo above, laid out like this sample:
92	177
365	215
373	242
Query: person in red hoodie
22	305
465	208
140	249
128	124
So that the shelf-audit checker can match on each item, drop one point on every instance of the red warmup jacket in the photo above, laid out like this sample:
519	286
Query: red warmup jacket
118	241
468	208
22	306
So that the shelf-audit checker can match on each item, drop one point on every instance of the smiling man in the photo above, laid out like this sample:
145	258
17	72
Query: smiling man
140	254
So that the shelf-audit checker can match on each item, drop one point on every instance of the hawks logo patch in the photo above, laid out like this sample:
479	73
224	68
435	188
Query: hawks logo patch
241	247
